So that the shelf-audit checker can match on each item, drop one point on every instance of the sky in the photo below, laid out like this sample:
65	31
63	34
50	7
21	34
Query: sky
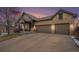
47	11
40	12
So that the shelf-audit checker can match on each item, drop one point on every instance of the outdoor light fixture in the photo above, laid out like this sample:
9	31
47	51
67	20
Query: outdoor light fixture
53	27
72	27
34	28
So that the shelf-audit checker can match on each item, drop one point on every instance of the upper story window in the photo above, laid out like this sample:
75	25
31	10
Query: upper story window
60	16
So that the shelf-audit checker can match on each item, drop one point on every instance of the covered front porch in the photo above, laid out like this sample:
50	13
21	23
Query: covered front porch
24	26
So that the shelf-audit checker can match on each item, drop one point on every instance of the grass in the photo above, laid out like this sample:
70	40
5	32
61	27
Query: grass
7	37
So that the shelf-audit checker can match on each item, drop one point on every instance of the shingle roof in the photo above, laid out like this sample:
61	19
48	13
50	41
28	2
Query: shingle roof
32	18
52	16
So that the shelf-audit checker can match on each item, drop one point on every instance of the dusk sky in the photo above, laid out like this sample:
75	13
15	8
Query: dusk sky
40	12
47	11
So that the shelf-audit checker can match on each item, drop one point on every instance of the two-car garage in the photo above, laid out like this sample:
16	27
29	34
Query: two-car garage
59	28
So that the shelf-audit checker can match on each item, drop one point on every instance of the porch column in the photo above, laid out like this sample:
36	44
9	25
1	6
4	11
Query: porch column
29	26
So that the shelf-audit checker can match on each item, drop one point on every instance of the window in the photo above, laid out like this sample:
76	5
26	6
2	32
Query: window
60	15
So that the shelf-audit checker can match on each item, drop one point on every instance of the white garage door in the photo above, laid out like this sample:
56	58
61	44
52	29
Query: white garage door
62	28
44	28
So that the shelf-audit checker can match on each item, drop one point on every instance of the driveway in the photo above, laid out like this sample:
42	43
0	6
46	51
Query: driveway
39	42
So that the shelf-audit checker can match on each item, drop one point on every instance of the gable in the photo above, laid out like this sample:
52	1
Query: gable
27	18
21	21
67	18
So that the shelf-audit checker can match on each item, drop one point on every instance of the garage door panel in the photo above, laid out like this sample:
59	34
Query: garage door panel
62	28
44	28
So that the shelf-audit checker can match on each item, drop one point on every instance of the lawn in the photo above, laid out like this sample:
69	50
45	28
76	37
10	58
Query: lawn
7	37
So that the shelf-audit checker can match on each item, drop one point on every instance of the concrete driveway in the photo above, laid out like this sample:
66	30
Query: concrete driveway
39	42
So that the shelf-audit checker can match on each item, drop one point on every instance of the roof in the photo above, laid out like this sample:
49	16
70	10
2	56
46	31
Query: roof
61	10
45	18
32	18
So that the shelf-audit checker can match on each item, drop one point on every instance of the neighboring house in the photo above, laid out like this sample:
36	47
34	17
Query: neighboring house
61	22
25	22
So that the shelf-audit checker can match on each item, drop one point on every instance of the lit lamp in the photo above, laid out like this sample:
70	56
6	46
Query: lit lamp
34	29
71	26
53	28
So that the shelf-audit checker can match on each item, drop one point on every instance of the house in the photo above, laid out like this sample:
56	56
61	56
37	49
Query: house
62	22
25	22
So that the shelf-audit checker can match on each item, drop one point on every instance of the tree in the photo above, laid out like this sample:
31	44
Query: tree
7	11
